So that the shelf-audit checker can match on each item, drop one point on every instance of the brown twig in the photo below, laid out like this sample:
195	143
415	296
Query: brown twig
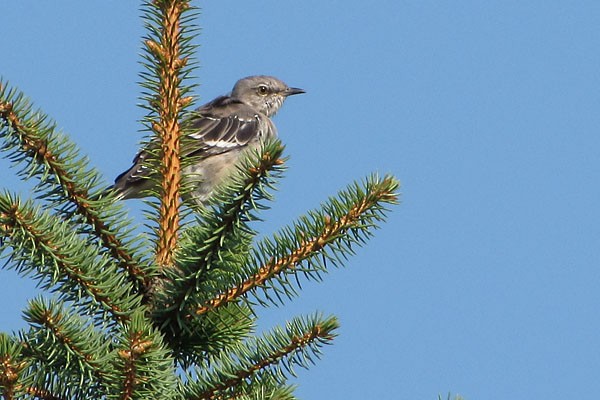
228	220
296	343
78	195
139	346
13	217
9	375
331	231
41	394
52	322
168	56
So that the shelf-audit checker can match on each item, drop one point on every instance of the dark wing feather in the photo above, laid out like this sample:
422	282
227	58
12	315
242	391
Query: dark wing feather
131	183
220	126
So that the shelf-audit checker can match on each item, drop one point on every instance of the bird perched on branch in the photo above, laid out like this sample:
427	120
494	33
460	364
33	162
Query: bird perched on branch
219	132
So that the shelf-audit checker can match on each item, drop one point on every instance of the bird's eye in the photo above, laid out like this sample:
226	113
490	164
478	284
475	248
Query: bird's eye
263	90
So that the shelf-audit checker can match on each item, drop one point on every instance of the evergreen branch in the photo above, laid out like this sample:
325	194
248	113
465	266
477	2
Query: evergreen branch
265	387
49	249
269	356
42	394
52	384
267	392
167	61
63	341
215	249
142	368
12	366
64	175
167	127
210	334
20	375
335	229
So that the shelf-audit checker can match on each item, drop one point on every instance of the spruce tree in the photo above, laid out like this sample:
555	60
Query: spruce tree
170	314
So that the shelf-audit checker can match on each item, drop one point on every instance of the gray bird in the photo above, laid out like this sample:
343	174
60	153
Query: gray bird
221	130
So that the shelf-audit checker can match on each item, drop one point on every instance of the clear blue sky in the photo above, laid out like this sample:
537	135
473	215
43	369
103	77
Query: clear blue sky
486	279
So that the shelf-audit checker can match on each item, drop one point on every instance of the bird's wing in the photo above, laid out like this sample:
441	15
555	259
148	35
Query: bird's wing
218	127
223	125
132	182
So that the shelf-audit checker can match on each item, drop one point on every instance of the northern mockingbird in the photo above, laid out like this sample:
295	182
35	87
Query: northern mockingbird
220	131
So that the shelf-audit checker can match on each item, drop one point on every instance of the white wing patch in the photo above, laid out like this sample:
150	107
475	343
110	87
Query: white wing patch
221	143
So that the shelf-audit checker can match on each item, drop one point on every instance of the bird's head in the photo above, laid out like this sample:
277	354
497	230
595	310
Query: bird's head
263	93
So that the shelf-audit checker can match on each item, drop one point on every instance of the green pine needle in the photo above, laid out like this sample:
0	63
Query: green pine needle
141	365
36	243
65	181
272	357
212	252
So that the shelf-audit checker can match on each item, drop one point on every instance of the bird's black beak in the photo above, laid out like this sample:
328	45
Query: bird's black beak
292	90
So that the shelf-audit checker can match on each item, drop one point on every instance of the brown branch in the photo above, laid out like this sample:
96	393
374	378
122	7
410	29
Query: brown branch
8	381
296	343
275	266
13	217
51	322
138	346
41	394
170	104
9	375
78	195
227	219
